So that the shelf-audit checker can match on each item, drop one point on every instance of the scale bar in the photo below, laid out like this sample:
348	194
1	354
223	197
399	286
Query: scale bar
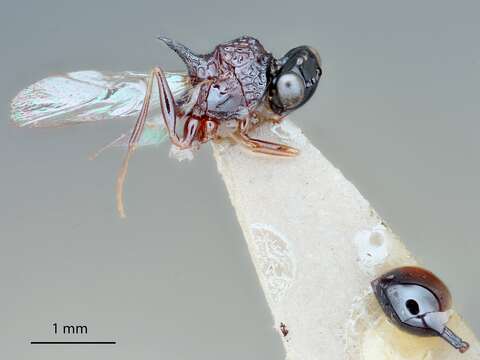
73	342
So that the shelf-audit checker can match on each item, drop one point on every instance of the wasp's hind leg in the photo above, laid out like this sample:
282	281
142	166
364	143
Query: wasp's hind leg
132	142
168	109
167	105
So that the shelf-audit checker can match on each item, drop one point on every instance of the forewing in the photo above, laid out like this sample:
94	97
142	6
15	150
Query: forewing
86	96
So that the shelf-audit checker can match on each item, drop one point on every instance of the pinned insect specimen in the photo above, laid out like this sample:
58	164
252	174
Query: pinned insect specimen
416	301
225	93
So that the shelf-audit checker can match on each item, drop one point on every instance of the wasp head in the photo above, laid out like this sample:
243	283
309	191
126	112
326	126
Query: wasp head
294	79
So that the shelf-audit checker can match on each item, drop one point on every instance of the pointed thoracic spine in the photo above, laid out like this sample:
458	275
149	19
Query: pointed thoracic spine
192	61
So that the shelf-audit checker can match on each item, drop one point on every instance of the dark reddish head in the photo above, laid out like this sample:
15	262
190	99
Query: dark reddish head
294	79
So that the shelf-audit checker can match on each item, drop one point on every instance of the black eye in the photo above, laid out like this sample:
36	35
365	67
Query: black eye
290	89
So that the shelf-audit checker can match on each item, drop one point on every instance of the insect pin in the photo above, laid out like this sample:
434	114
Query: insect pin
416	301
224	94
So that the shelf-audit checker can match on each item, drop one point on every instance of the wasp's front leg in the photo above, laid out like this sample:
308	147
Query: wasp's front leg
263	146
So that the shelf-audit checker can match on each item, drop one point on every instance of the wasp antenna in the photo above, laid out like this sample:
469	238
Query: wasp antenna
164	39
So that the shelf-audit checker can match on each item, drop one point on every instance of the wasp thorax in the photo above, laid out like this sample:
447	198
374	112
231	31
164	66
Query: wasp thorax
415	300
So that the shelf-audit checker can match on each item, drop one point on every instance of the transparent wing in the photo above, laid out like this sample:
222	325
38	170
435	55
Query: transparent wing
87	96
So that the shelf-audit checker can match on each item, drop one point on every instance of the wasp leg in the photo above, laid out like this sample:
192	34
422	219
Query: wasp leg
136	133
105	147
265	147
140	123
191	128
167	105
168	108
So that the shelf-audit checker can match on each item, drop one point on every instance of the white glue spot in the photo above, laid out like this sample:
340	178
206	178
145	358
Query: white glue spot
180	154
274	258
285	130
223	146
372	247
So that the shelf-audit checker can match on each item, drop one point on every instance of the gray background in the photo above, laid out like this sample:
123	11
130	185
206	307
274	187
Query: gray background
397	111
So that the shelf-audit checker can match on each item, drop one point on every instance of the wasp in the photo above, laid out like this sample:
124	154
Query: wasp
224	94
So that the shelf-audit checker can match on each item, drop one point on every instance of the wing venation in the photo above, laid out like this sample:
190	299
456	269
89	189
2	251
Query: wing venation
86	96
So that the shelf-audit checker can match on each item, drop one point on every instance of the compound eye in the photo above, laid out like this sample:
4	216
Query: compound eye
290	89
